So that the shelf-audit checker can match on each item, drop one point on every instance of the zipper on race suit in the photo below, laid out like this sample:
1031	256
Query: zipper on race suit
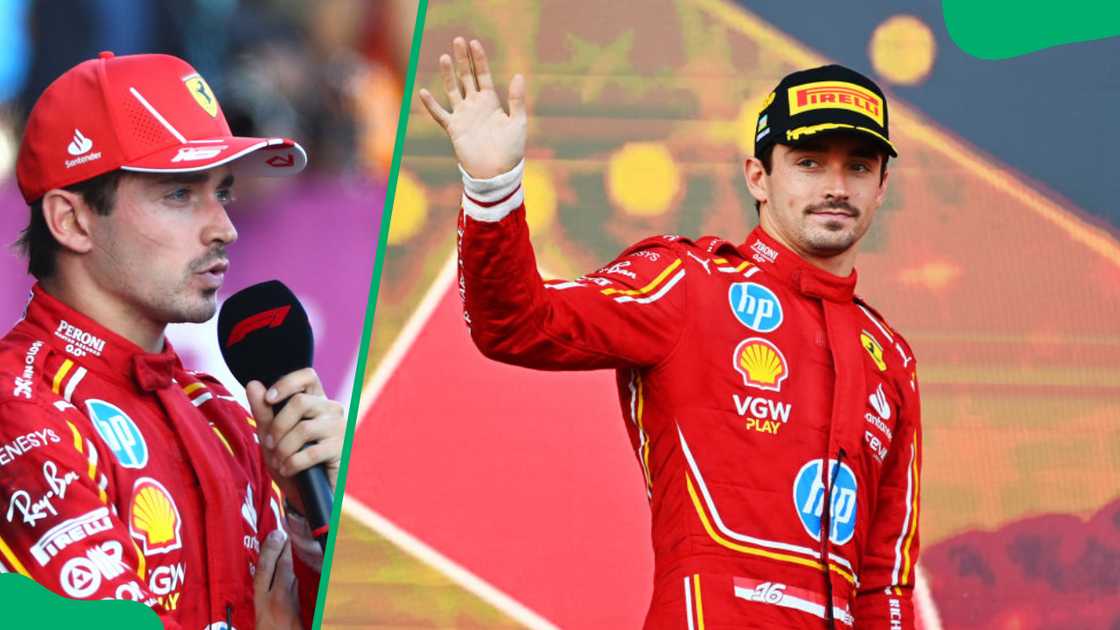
229	616
826	532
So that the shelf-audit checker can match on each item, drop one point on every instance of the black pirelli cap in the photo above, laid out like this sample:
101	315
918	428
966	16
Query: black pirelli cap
822	100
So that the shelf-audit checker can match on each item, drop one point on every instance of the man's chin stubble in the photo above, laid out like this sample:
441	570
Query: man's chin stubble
829	244
203	308
196	316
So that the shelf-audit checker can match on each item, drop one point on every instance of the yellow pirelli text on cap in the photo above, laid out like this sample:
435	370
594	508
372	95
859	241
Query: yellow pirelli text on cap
836	95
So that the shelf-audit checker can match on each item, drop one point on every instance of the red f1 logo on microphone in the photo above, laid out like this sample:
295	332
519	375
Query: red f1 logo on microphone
271	318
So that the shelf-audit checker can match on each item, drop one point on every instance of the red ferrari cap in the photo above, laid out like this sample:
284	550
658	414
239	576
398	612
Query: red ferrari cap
144	113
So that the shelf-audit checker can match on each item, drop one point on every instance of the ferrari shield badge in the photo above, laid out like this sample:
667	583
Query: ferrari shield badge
202	94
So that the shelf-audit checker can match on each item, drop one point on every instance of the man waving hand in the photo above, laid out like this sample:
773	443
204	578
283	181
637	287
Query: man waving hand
774	414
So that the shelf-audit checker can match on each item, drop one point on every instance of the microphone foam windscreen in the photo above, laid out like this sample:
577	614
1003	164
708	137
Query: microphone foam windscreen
264	333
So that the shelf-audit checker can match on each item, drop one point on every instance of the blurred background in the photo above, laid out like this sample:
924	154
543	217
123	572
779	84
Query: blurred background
478	497
328	74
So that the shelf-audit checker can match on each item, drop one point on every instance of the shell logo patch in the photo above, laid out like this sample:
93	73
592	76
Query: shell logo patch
874	349
202	94
153	517
761	364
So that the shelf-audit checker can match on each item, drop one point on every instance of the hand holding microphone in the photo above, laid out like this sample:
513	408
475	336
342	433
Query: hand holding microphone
299	428
266	340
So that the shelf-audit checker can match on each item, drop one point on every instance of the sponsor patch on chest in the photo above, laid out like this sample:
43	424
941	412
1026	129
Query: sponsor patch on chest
760	414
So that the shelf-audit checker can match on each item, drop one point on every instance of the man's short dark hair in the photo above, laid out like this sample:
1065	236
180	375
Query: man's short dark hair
36	241
767	164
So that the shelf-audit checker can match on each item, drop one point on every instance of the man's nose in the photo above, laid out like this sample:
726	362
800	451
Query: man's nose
220	228
836	183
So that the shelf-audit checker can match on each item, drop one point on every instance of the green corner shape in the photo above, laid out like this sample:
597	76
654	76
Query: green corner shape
1002	29
27	604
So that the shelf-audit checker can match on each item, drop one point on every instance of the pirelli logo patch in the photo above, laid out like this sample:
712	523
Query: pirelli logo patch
836	95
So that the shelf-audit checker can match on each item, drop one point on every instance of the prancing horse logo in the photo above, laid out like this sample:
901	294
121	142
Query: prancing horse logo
202	94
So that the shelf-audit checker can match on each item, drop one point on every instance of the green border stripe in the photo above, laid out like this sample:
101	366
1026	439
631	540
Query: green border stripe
367	327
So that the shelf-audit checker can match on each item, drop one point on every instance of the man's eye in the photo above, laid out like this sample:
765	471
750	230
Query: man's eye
807	162
226	197
862	168
179	194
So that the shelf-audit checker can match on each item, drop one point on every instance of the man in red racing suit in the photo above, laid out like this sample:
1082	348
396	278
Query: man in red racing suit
774	414
122	474
127	476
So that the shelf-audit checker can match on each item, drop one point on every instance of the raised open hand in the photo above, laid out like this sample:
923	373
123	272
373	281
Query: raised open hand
487	141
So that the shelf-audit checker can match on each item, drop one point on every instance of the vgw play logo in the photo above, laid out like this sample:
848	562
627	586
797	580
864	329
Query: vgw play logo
808	499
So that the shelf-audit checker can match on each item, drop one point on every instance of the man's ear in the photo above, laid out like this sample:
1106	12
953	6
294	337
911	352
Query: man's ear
755	174
882	188
69	219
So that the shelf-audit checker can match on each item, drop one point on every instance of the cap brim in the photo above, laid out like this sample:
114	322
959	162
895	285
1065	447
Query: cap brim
798	135
269	157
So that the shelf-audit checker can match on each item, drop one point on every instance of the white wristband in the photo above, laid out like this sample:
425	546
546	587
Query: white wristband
505	186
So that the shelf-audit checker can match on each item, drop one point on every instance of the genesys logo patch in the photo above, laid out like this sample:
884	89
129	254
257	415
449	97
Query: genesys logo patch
809	498
119	432
755	306
21	444
153	517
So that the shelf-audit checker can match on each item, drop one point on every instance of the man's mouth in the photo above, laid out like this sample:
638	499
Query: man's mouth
836	211
214	273
218	266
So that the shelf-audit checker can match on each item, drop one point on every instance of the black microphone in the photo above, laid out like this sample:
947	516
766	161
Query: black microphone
264	334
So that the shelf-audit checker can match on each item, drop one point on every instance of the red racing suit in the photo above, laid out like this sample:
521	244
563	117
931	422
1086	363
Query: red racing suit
124	476
741	369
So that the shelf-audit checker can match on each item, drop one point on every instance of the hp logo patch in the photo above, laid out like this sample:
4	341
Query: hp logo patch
755	306
119	432
808	499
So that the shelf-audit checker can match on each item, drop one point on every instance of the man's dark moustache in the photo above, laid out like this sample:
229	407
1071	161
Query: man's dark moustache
214	256
834	205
